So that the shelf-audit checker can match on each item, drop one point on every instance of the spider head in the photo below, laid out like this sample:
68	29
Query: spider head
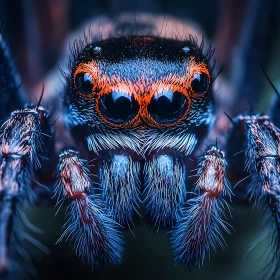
140	84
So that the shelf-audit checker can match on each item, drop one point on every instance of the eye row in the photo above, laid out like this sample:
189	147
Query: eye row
164	108
119	108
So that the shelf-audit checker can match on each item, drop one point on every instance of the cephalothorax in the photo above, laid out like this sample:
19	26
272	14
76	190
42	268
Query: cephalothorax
138	106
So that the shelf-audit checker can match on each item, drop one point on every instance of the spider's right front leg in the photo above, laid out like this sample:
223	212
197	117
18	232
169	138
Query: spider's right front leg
10	90
21	143
22	137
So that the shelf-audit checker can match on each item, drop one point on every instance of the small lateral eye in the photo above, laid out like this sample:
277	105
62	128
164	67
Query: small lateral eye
200	83
83	83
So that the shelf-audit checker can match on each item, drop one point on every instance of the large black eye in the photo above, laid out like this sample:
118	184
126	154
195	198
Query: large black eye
168	106
118	107
83	82
200	83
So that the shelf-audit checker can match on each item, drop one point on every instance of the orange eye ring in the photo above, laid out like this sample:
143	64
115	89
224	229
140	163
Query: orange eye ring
130	118
199	84
169	89
85	80
198	79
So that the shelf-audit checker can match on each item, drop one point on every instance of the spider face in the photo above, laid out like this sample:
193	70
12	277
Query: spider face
138	86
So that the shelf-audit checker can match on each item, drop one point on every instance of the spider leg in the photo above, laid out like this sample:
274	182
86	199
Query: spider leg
10	90
262	146
22	137
120	186
21	141
275	116
93	233
199	228
165	188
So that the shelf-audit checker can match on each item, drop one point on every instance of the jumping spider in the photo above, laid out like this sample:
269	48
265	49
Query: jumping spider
136	106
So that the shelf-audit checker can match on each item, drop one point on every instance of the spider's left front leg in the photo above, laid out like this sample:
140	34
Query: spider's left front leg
262	161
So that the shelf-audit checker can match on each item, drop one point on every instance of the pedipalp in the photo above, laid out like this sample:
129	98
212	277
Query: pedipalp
199	228
93	233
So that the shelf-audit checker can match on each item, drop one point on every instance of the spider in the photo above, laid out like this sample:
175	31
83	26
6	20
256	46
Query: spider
136	107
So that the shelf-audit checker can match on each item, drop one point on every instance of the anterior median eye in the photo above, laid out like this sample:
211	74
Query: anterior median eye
200	83
83	83
118	107
168	106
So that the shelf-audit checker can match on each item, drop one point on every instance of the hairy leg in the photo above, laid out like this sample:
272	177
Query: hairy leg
262	162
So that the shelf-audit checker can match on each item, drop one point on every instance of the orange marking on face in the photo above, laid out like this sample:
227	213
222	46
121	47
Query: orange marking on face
93	70
156	89
119	85
195	68
143	90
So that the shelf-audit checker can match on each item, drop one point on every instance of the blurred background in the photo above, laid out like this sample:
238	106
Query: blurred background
245	33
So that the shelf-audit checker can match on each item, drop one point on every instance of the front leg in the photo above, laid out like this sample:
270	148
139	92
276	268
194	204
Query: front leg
10	90
262	162
25	145
20	160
